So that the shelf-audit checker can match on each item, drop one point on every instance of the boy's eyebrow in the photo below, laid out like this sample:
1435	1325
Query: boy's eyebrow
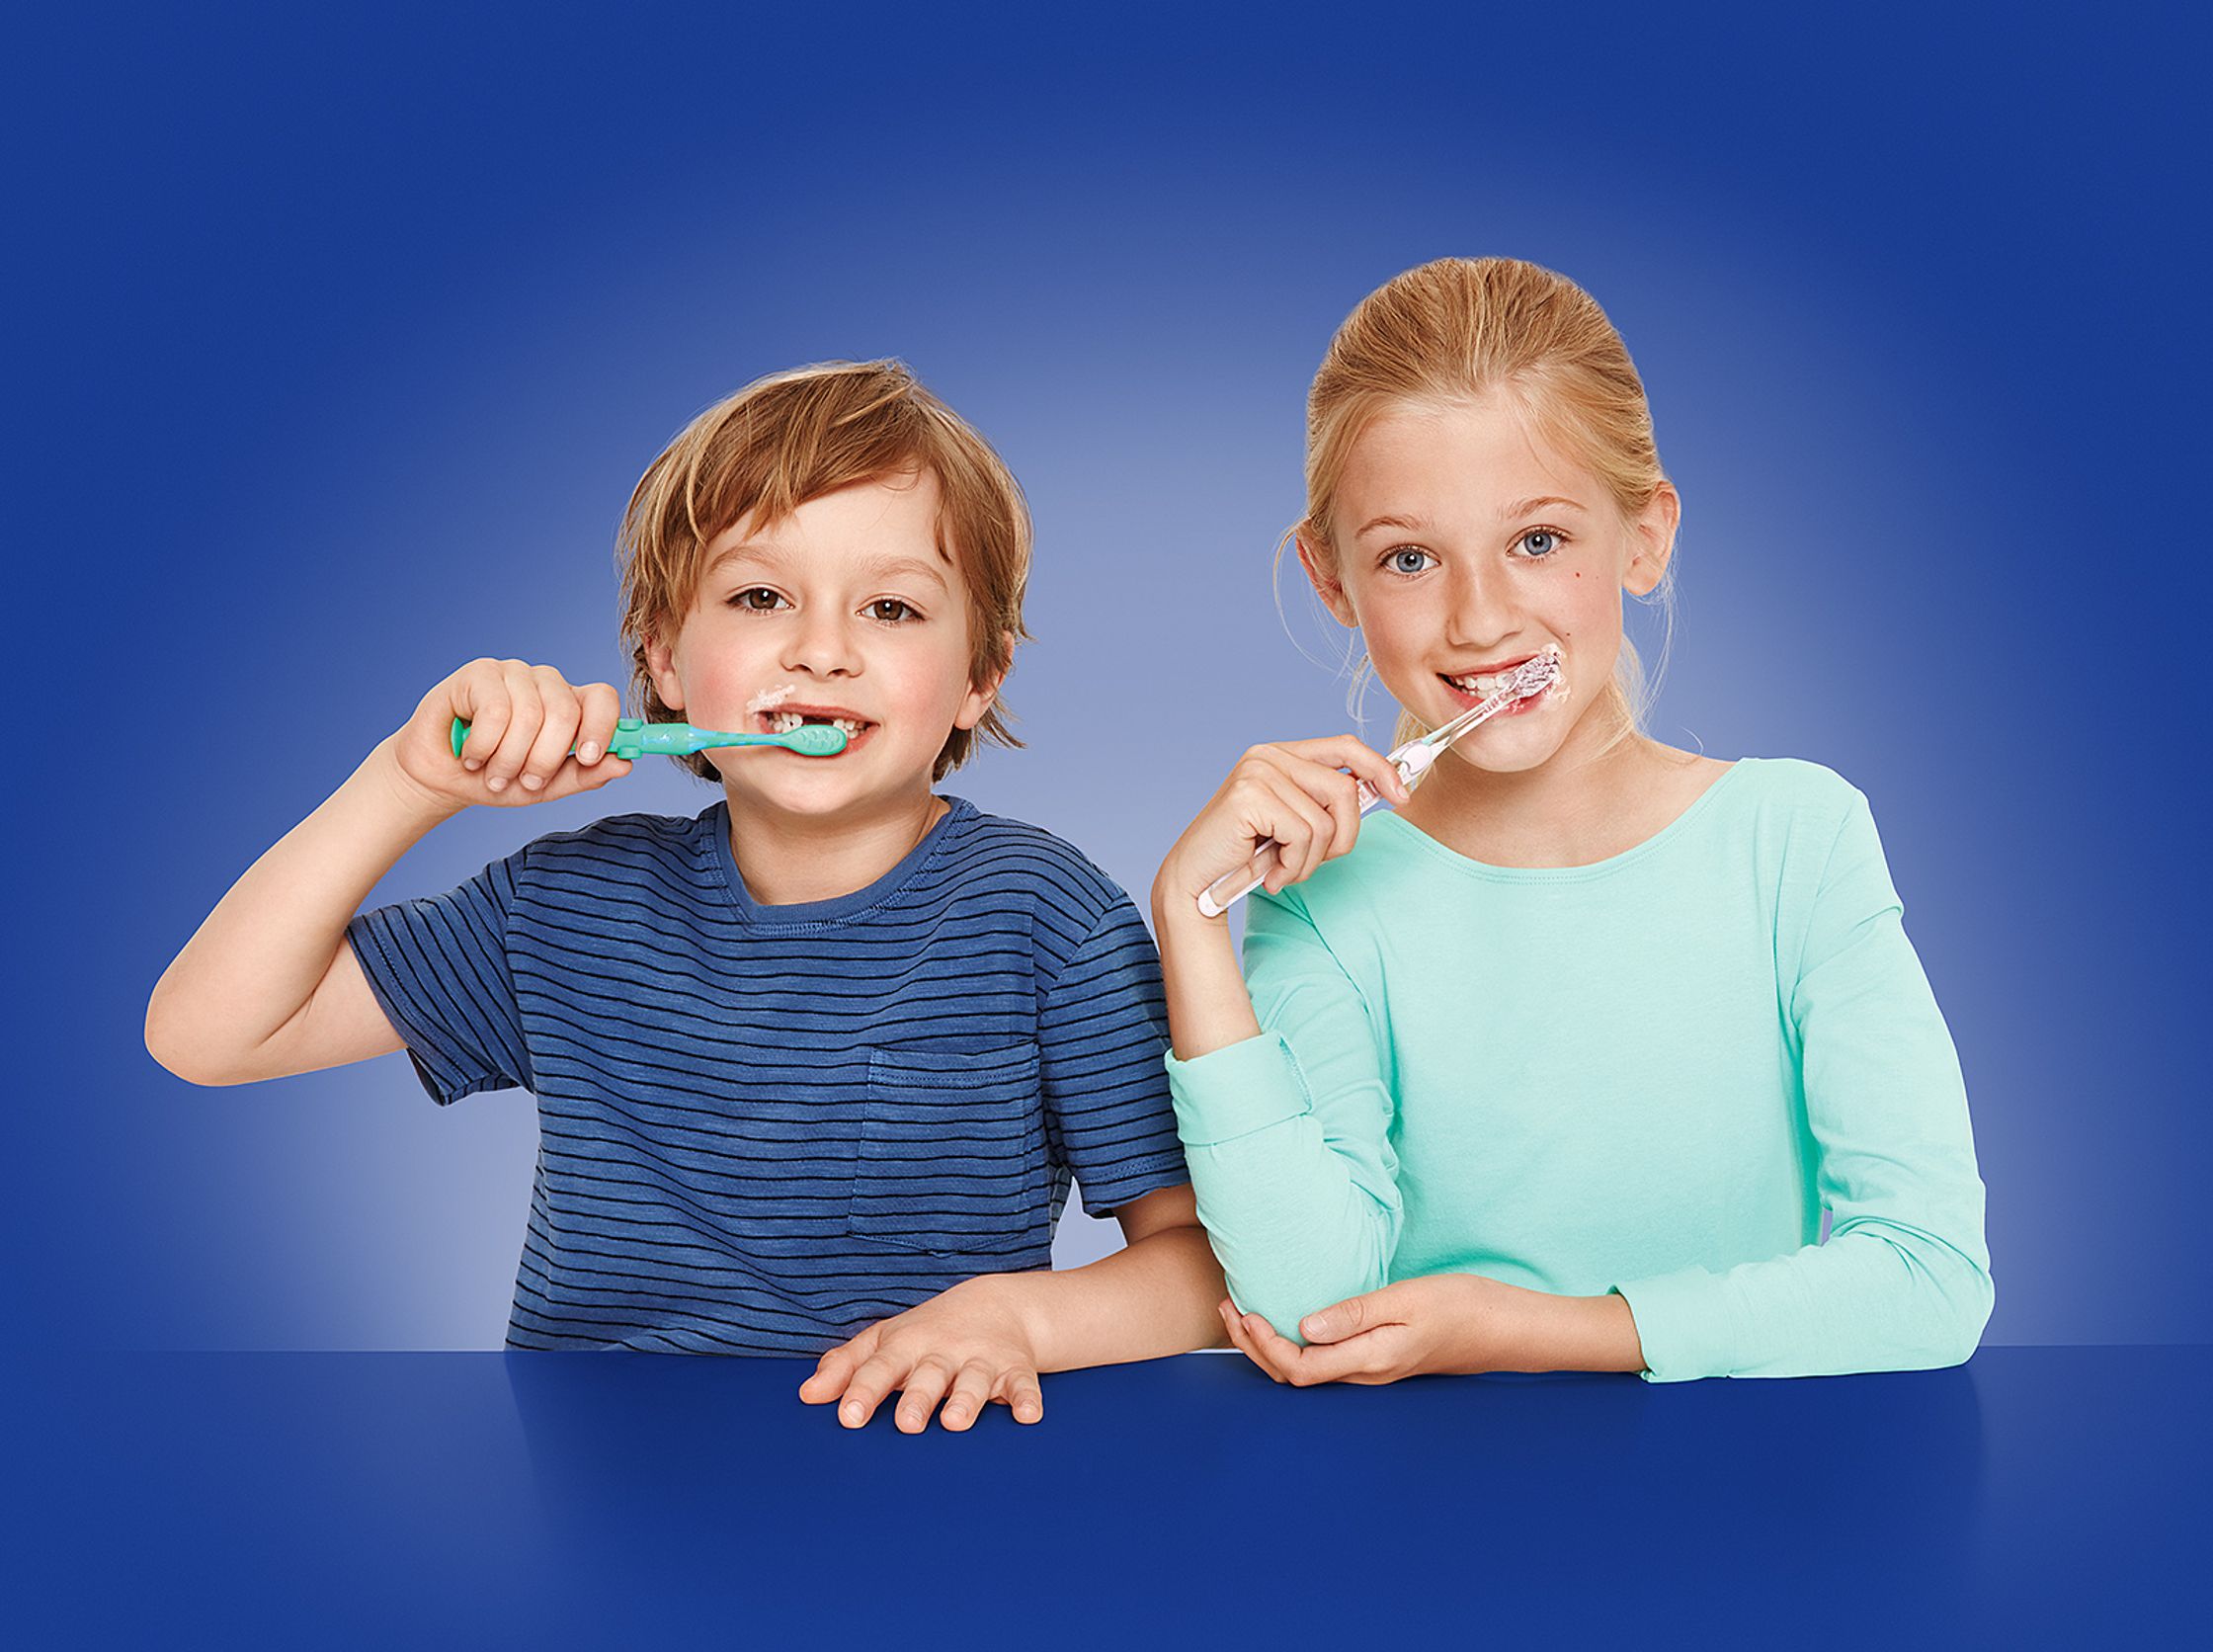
768	552
1519	507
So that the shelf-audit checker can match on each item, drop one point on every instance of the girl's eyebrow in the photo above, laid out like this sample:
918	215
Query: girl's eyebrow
1519	507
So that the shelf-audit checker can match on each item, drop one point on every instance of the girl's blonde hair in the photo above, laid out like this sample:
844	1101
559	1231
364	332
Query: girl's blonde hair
1458	328
796	435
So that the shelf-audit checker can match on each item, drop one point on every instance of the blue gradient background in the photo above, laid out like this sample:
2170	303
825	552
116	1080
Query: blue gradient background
336	346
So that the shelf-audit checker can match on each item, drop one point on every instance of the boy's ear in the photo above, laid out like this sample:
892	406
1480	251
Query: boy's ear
1327	586
981	695
1652	539
660	665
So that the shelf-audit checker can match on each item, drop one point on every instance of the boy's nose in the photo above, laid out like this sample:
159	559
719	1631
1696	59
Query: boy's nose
822	648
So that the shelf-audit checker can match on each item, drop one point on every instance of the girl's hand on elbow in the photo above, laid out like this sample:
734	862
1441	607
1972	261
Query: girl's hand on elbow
1407	1329
533	737
965	1349
1297	794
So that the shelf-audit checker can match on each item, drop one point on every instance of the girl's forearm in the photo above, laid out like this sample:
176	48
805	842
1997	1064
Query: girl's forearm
261	953
1154	1297
1548	1333
1208	1005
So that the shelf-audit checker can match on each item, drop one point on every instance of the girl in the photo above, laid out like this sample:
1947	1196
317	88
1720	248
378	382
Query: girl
1561	1065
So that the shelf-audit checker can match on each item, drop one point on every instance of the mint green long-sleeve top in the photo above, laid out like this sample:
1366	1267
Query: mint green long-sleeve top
1648	1076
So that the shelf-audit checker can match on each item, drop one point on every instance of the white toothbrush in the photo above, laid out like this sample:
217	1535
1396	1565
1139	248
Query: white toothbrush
1412	760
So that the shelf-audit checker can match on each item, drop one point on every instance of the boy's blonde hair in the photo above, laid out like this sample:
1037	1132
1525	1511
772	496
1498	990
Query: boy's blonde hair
1458	328
793	437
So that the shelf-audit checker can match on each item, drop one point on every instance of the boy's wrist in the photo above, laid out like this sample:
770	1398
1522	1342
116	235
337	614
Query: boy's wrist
418	807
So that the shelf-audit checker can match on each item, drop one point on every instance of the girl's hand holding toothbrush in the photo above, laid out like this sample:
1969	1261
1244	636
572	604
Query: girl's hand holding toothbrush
523	721
1303	796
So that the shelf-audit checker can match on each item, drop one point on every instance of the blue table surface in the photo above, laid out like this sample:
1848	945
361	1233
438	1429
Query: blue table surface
2039	1495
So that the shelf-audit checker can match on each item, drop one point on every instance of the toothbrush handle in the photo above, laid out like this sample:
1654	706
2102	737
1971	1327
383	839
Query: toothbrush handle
631	739
1239	882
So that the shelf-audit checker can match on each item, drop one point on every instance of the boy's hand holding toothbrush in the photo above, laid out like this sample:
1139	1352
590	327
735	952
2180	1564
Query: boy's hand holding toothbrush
531	737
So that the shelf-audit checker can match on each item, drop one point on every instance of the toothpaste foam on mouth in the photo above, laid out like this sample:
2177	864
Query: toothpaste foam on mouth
770	697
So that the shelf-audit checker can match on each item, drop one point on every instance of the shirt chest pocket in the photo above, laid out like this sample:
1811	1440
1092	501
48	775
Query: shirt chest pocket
952	1153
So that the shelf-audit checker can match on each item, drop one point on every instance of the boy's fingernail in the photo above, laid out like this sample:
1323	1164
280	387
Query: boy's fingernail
472	764
530	782
588	751
498	782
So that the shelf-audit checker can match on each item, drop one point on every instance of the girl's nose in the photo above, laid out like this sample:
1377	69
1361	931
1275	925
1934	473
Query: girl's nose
1478	611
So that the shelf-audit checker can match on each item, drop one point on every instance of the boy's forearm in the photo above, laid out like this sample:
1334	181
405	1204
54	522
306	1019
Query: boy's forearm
261	953
1154	1296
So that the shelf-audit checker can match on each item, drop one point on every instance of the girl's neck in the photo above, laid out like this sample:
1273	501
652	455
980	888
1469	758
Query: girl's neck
1586	803
786	858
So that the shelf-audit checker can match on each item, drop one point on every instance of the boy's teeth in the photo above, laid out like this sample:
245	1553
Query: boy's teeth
784	723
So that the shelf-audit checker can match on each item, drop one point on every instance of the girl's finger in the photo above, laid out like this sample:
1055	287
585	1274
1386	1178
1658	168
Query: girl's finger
1306	845
1241	1341
1349	751
925	1387
971	1392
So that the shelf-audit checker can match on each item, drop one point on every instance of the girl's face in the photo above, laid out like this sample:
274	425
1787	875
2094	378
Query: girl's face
1465	546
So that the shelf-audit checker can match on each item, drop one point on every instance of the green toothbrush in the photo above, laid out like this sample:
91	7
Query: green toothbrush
634	739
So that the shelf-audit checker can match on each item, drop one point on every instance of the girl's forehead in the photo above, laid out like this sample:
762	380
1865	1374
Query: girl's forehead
1461	452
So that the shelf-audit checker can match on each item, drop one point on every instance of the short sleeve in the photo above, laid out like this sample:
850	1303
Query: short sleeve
439	968
1102	1031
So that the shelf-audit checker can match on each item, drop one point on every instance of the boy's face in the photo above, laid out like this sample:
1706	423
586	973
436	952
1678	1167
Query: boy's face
1467	544
845	610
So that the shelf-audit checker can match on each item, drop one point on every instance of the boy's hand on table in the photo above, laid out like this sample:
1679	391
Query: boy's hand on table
1443	1322
524	720
966	1347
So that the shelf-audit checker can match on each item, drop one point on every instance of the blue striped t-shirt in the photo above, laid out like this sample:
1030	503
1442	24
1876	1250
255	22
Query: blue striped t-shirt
762	1128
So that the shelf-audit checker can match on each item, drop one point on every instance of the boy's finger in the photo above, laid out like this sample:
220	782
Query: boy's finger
550	750
971	1392
829	1379
1024	1395
878	1374
525	715
925	1387
601	711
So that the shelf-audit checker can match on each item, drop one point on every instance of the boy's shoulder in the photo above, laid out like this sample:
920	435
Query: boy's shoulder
996	853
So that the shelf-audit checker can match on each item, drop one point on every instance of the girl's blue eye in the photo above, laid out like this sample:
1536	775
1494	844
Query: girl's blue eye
1396	559
1540	534
745	600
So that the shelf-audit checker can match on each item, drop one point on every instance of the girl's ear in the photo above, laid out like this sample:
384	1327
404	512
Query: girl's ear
1652	538
1320	575
660	665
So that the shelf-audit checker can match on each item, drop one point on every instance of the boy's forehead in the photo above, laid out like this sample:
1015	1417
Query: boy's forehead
869	530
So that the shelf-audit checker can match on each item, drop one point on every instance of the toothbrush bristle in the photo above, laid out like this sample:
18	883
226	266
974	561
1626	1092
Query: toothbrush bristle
1534	676
816	740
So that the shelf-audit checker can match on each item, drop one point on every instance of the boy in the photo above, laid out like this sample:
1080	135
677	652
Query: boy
813	1069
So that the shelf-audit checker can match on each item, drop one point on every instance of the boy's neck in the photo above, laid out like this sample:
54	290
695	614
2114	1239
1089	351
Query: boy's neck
785	859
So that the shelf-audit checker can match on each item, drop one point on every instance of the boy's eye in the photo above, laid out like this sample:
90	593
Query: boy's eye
759	599
1537	552
1407	560
892	610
